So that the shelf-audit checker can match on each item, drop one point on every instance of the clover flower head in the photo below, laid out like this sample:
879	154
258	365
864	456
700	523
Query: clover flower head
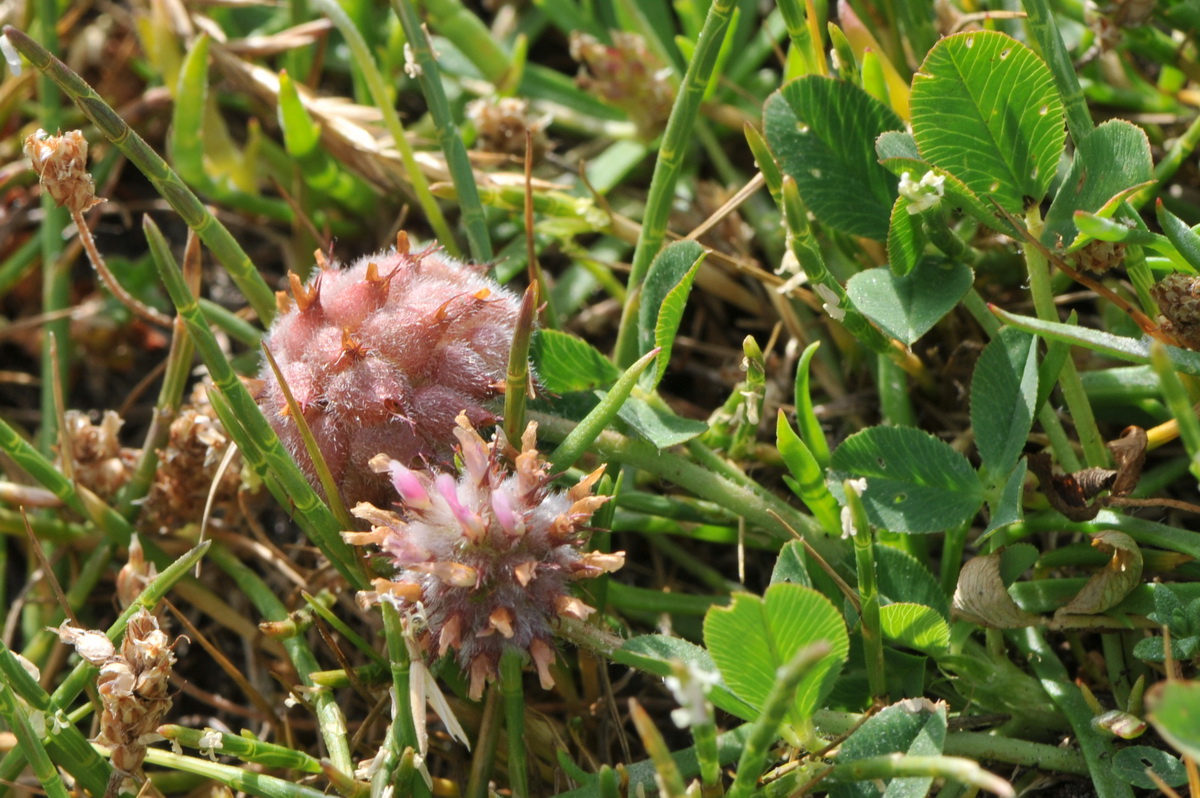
486	556
381	356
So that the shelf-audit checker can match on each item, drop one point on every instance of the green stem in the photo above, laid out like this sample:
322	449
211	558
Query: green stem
404	730
30	744
451	142
485	742
676	139
248	427
1045	31
511	665
760	508
378	88
56	273
1097	751
868	592
765	730
1072	386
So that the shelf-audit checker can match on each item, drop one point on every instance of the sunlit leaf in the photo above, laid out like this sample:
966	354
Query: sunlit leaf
566	364
753	637
984	108
906	307
915	626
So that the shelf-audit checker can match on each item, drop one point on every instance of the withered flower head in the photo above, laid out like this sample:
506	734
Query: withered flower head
61	164
489	555
133	685
1178	298
627	75
502	122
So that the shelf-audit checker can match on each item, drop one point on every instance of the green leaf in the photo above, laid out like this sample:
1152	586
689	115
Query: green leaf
1169	611
1175	712
913	728
753	637
902	577
1004	390
566	364
1132	350
897	144
809	477
1110	160
907	307
1009	508
823	133
1185	239
905	240
658	424
1016	560
985	109
1131	764
915	626
664	294
1154	649
789	566
915	482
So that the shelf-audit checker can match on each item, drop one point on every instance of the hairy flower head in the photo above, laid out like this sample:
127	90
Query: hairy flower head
489	554
382	356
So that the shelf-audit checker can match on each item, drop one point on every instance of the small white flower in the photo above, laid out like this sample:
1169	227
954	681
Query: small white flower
59	722
690	686
752	401
176	747
411	67
211	742
831	302
847	524
789	267
291	702
11	56
922	195
859	486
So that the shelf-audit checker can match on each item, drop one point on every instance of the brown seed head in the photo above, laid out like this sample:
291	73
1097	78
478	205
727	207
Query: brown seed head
61	165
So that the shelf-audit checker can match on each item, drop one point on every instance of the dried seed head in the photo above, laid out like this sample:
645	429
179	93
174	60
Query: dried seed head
628	76
1178	298
133	685
187	465
61	165
101	464
381	357
1098	257
489	555
502	122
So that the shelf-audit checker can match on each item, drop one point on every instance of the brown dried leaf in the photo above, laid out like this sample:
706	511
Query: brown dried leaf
1070	494
1110	585
1129	453
982	598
